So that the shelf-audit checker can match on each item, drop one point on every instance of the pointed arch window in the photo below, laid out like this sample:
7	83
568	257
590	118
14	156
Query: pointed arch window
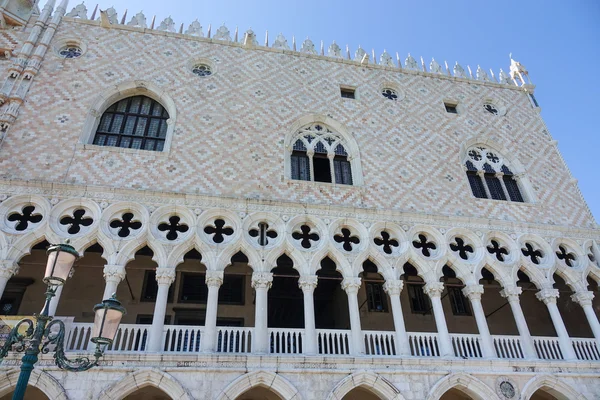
490	176
319	154
136	122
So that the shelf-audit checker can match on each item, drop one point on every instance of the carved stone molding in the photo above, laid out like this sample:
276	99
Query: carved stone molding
262	280
547	295
351	285
393	288
583	298
308	283
114	273
165	276
511	293
214	278
434	289
473	292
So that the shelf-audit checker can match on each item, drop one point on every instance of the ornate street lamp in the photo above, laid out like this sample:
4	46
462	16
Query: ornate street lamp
39	336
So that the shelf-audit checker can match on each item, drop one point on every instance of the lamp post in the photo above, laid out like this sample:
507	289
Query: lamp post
39	336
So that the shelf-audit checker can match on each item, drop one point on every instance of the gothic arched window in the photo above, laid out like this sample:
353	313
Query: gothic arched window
137	122
319	154
490	176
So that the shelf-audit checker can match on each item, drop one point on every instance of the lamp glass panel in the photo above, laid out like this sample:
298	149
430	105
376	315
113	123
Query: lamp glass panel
64	262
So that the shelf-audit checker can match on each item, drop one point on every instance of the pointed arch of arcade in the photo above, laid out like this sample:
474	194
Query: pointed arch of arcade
269	380
368	380
552	385
465	383
39	379
142	378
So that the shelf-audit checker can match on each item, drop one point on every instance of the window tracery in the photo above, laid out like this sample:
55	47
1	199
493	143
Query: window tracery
319	154
490	177
136	122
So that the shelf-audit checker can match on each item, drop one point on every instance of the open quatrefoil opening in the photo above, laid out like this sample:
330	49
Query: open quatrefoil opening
347	239
263	233
461	248
77	221
218	230
497	250
173	228
306	236
25	217
386	242
534	254
568	257
424	244
126	224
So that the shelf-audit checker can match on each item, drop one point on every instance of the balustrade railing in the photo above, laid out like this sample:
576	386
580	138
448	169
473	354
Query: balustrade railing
286	341
333	341
187	339
423	344
508	346
586	349
378	343
234	340
182	338
547	348
466	346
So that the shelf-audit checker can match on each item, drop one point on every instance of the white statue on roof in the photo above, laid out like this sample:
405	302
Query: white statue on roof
223	34
308	47
280	42
79	11
435	67
195	29
334	50
386	60
138	20
482	75
518	71
167	25
411	63
459	71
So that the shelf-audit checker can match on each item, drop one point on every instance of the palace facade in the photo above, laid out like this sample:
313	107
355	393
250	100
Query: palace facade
287	220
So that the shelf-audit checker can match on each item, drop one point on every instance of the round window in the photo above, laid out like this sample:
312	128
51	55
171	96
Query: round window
492	109
202	70
390	94
70	51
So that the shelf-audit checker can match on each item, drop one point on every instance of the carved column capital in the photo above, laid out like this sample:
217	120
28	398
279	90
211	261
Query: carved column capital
583	298
547	295
165	276
473	292
393	288
308	283
434	289
214	278
262	280
511	293
351	285
8	268
114	273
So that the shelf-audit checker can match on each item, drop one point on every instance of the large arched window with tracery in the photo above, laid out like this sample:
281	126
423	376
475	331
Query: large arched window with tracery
491	176
319	154
136	122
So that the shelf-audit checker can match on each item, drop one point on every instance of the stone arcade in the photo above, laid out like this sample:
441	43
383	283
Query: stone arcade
286	221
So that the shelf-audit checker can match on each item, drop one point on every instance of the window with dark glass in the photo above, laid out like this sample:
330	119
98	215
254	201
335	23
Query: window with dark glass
419	302
193	288
135	122
347	93
150	287
451	108
376	298
458	301
490	177
323	150
232	290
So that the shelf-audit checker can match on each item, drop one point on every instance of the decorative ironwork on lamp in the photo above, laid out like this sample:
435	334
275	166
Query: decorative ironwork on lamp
41	333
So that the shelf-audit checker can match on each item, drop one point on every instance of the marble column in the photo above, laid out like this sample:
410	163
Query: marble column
214	280
585	301
549	297
8	268
113	275
512	296
164	277
308	284
434	291
351	287
474	292
261	282
393	288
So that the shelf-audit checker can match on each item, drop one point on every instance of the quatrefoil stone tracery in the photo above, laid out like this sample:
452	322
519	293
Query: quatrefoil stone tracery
424	245
568	257
386	242
306	236
347	239
76	221
532	253
219	230
126	224
28	216
496	249
263	233
173	228
460	247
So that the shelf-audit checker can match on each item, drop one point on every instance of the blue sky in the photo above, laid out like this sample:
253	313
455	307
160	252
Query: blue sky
558	42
